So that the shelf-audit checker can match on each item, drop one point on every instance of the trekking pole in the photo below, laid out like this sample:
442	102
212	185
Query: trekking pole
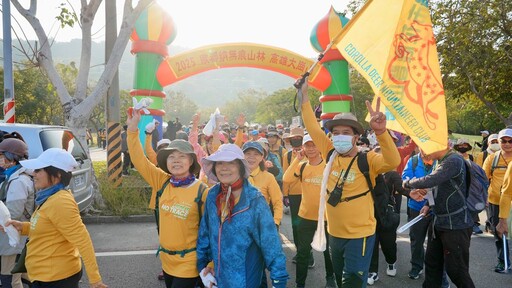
505	251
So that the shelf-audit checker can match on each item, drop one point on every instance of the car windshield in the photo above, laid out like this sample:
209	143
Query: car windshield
63	139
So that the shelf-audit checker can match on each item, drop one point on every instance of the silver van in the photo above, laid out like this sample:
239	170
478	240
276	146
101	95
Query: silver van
42	137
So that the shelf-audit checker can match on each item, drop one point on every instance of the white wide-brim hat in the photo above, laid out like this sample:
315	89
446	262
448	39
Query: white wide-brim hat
225	153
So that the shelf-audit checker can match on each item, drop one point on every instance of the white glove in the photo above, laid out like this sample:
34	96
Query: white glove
208	279
151	126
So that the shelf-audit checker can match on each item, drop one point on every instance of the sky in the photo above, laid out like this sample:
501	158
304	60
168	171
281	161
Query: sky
282	23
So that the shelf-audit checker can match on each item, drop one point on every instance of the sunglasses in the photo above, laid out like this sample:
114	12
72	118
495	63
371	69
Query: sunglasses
503	141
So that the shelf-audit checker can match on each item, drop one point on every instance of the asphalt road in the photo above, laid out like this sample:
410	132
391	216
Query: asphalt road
126	257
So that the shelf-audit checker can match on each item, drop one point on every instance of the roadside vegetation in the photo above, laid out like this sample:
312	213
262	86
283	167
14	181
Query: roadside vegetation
131	198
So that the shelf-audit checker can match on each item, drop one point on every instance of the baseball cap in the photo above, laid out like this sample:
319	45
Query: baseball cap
307	138
484	132
507	132
56	157
253	145
163	141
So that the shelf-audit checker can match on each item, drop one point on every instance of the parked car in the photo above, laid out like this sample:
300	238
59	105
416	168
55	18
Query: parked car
42	137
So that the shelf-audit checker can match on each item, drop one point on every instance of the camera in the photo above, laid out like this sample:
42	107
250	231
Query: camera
335	195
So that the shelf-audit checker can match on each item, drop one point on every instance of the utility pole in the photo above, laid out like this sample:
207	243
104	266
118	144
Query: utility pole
112	106
9	115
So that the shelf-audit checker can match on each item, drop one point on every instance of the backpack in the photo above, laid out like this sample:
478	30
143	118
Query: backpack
198	200
495	162
387	218
477	184
302	166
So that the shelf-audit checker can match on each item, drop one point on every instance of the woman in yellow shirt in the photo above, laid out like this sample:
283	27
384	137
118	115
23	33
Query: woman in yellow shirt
57	234
178	198
263	180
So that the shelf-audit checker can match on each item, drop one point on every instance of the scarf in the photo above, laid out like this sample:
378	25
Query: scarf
9	171
179	182
43	195
319	239
225	196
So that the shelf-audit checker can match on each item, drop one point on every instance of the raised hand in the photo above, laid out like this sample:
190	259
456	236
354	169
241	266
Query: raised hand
132	121
377	118
240	120
303	89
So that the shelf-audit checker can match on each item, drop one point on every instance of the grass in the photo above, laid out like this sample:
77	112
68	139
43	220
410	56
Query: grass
131	198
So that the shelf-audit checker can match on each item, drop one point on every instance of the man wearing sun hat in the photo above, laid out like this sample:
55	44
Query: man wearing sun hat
351	221
495	167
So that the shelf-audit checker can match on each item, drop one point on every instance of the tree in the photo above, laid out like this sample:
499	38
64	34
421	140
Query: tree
279	106
78	105
247	103
474	40
178	105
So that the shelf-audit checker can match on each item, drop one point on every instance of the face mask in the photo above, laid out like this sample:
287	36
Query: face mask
495	147
463	149
296	142
342	143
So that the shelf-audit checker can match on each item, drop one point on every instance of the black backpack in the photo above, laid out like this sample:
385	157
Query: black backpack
387	218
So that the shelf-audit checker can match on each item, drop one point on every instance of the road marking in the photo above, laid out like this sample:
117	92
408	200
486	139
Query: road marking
287	243
125	253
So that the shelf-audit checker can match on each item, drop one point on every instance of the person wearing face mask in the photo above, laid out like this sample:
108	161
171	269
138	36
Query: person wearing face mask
292	191
495	167
350	208
463	147
419	165
493	146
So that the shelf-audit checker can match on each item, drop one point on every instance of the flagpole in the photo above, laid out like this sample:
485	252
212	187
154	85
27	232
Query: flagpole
298	84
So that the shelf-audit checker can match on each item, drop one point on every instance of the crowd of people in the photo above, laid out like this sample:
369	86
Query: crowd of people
219	198
255	174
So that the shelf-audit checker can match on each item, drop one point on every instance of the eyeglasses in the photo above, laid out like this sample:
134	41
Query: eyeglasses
503	141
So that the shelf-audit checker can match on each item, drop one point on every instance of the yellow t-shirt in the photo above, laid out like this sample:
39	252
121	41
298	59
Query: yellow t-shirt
58	238
293	186
179	215
355	218
497	175
311	184
267	184
506	193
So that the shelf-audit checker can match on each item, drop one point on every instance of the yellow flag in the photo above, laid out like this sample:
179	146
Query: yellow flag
391	43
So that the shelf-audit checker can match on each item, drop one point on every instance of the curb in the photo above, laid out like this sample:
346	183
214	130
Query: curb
91	219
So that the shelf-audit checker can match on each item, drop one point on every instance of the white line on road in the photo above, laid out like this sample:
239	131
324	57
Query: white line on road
286	244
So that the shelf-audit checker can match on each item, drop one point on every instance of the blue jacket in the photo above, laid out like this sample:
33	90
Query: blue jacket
242	247
411	172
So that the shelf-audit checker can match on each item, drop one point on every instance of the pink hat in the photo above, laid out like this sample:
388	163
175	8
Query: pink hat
225	153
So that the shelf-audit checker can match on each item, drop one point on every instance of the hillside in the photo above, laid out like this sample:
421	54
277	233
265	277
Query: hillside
212	88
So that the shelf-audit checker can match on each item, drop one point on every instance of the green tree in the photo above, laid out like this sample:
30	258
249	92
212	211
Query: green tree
178	105
474	40
247	103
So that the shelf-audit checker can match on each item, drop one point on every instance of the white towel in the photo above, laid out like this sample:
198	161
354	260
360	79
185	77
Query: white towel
12	233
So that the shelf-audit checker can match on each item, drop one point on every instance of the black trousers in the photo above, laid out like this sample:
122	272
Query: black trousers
294	213
417	235
176	282
306	232
387	241
70	282
448	249
494	211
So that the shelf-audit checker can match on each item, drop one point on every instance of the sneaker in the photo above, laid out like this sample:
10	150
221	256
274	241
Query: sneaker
415	273
391	270
294	259
372	278
161	275
330	282
500	268
311	263
477	230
